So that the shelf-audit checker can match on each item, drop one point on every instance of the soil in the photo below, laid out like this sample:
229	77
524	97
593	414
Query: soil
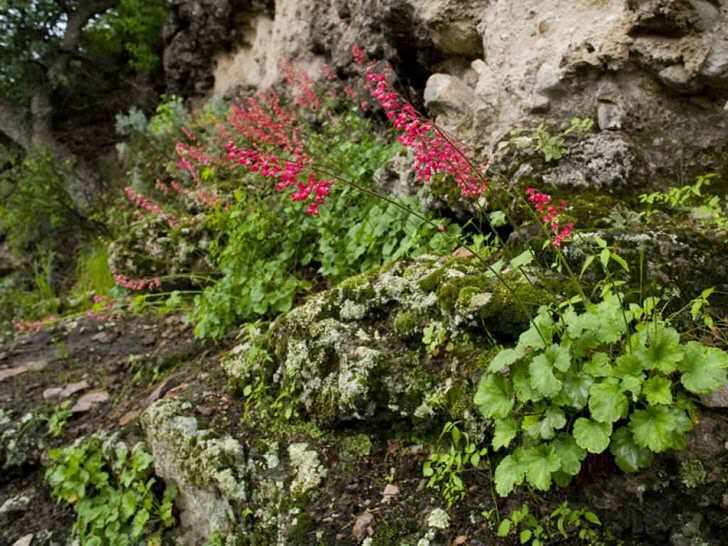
137	359
134	359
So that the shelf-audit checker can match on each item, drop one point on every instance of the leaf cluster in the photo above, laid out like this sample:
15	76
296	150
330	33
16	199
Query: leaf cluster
564	523
584	382
444	468
113	492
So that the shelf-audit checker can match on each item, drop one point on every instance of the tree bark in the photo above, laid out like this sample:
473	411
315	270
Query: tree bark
14	124
36	131
78	19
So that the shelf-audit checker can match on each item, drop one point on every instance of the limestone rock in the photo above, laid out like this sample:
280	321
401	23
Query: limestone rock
357	353
206	470
533	61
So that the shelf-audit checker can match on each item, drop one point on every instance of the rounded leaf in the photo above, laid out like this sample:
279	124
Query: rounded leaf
592	435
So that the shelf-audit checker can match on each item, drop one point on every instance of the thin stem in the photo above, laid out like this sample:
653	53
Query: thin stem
488	266
559	253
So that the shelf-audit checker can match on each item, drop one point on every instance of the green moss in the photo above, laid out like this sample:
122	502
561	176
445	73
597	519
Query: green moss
389	533
358	288
510	309
692	473
459	399
465	296
355	447
430	282
450	290
407	324
326	407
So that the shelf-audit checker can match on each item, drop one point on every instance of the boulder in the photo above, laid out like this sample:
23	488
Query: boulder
388	345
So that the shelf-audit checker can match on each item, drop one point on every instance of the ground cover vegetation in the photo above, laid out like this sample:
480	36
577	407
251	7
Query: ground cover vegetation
236	212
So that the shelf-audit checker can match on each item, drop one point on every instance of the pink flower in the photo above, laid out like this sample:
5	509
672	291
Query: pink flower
358	55
434	152
145	204
549	214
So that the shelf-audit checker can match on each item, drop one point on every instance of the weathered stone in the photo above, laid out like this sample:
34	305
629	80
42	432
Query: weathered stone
599	161
677	77
25	540
716	63
369	366
65	391
609	116
89	401
22	441
206	470
445	94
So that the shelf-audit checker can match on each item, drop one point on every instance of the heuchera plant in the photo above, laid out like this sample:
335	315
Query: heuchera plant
585	382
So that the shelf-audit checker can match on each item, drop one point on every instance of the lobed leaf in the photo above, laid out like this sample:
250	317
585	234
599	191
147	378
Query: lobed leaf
607	403
703	368
591	435
627	454
543	379
494	397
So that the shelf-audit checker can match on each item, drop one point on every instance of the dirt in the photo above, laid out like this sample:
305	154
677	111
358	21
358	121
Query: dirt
137	359
133	360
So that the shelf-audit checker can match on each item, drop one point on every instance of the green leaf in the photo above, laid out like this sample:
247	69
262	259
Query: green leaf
497	218
543	379
598	366
627	454
541	461
139	522
559	357
505	430
661	348
621	261
607	403
522	383
589	260
591	517
658	390
575	391
128	505
704	368
604	257
509	473
504	359
522	259
633	384
569	452
539	334
504	528
544	428
628	364
494	397
659	428
591	435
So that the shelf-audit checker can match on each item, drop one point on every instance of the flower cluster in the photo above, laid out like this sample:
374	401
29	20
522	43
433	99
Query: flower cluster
137	284
549	214
143	203
31	326
434	151
291	174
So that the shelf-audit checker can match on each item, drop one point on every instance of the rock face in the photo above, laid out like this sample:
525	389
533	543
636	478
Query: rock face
338	394
652	74
206	470
356	353
149	249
